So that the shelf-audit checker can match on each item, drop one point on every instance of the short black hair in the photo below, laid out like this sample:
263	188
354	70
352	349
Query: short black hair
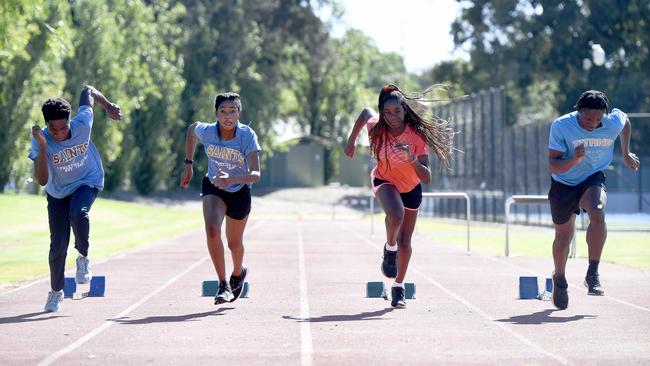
592	99
222	97
56	108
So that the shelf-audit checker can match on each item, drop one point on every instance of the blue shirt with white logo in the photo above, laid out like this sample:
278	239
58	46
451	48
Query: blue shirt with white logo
227	155
566	134
73	162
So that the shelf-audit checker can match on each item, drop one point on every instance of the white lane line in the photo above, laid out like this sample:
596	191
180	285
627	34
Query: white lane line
306	346
79	342
576	287
475	309
58	354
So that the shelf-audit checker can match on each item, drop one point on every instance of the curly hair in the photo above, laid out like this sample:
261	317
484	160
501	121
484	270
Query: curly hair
56	108
222	97
433	129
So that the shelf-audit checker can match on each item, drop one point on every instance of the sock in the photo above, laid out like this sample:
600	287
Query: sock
397	284
392	248
593	268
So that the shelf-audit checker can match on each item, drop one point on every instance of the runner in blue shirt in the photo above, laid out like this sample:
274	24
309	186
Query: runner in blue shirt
67	163
581	146
233	165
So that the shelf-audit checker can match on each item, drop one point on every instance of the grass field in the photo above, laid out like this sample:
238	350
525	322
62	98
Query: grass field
115	227
629	248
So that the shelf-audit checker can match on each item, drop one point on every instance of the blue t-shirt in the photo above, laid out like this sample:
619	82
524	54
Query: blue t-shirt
566	134
73	162
227	155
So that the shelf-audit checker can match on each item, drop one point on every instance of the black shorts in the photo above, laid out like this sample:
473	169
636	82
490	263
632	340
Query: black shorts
411	199
565	199
238	204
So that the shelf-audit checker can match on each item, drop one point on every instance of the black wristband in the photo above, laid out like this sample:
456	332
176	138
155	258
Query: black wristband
188	161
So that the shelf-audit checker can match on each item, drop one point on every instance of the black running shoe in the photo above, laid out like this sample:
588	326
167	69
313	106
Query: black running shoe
560	292
592	283
237	282
224	294
397	297
389	263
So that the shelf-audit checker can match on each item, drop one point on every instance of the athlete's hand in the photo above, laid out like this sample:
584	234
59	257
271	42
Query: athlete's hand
579	153
222	180
187	175
349	150
38	135
405	148
632	161
113	111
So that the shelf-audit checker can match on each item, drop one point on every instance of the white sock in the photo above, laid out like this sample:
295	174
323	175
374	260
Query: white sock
392	248
397	284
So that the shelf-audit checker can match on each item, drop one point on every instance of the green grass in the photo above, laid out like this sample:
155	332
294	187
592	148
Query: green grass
629	248
115	227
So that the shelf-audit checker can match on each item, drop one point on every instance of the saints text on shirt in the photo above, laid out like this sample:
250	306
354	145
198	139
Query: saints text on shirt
225	153
69	153
593	142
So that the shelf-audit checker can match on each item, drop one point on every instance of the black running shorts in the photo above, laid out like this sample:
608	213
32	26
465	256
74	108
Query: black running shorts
411	199
238	204
565	199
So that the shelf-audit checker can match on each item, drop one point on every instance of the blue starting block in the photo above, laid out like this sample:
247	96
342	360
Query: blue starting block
97	288
209	288
378	289
529	288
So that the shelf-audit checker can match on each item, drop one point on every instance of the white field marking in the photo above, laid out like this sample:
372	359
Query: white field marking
115	257
306	346
475	309
576	287
79	342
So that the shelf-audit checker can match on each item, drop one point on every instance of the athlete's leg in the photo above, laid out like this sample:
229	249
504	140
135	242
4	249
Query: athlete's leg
235	237
593	201
561	244
391	202
404	243
214	211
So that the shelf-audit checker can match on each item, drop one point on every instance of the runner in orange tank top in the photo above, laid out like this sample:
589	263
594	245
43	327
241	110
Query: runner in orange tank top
399	141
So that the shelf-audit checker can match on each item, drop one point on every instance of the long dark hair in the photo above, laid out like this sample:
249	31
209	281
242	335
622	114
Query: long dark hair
433	129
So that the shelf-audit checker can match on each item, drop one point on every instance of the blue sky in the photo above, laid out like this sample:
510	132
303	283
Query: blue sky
416	29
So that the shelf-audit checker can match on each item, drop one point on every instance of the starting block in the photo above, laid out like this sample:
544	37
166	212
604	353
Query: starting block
529	288
209	288
97	288
378	289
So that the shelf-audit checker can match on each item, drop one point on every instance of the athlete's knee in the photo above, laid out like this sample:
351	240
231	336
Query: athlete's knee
79	215
212	231
235	245
596	216
395	219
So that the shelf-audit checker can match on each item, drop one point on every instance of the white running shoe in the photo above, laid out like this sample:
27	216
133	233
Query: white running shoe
83	270
54	299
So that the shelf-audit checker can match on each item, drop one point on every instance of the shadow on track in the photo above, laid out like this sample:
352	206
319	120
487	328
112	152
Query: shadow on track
368	315
542	317
171	318
29	317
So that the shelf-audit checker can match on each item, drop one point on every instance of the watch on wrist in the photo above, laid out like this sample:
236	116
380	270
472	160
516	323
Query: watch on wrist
189	162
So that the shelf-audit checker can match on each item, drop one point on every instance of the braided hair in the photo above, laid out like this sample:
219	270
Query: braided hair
592	99
433	129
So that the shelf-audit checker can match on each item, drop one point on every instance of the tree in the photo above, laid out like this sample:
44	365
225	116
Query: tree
34	39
